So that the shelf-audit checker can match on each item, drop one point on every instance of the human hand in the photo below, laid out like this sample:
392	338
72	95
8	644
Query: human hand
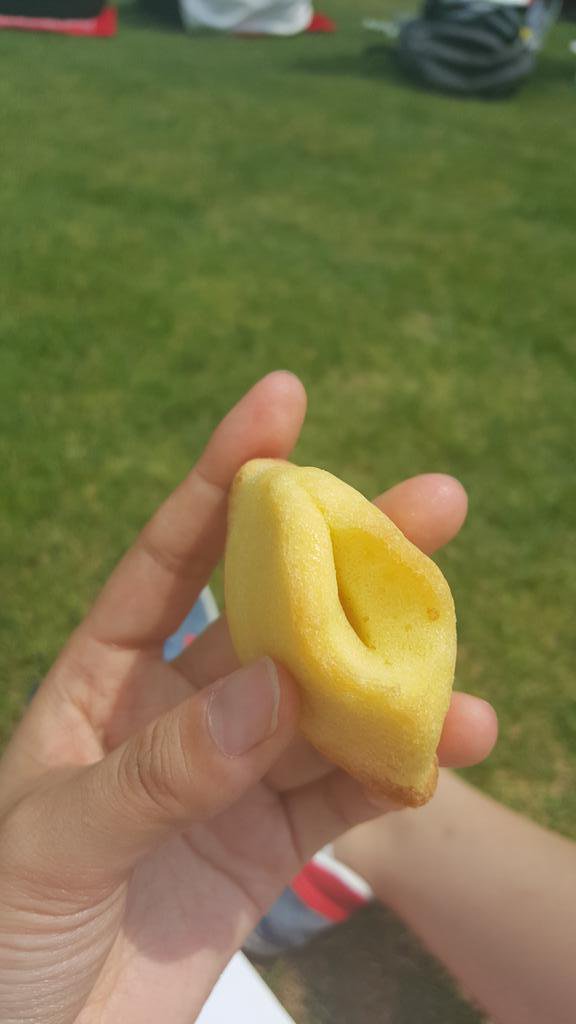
150	813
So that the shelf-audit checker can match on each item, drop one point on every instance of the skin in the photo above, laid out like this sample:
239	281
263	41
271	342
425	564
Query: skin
489	892
136	856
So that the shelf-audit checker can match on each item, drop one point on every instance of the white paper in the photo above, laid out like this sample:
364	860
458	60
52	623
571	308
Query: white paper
270	17
241	997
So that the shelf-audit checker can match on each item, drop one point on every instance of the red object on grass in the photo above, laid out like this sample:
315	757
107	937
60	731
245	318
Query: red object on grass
321	23
325	893
104	24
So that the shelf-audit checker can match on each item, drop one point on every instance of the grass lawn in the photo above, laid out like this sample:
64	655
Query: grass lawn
180	216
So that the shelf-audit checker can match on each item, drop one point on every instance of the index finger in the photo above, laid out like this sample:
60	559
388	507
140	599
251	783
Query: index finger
158	579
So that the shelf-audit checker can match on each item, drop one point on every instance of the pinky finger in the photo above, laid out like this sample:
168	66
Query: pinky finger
470	732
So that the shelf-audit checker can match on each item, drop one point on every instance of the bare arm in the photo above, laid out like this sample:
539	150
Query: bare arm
491	894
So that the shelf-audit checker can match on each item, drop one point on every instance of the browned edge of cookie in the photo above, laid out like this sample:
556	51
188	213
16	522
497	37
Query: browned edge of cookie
405	795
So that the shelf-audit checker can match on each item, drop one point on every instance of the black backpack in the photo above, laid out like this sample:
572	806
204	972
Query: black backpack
52	8
474	47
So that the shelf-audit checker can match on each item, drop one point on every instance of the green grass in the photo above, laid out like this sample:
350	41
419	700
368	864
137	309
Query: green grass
180	216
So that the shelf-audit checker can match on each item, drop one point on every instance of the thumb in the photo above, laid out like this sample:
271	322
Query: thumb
187	766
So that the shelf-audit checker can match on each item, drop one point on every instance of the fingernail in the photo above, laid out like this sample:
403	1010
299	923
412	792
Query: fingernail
243	709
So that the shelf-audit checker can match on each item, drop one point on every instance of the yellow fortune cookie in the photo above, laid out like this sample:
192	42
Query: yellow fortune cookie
323	582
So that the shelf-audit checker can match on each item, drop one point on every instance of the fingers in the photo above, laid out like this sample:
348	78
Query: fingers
159	579
187	766
468	737
212	655
333	802
328	807
429	509
298	766
470	732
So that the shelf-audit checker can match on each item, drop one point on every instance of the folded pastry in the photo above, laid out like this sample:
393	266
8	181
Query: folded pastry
323	582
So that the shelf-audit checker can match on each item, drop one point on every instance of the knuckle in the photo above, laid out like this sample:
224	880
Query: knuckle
25	860
149	771
13	829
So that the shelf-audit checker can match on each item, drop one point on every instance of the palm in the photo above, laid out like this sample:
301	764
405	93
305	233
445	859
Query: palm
215	879
212	880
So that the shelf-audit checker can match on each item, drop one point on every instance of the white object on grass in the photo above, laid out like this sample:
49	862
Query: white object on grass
391	29
259	17
208	600
241	997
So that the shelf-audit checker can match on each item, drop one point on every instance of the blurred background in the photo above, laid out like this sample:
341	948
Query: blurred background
181	215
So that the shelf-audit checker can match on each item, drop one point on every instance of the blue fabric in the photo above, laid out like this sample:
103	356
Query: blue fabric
289	923
194	624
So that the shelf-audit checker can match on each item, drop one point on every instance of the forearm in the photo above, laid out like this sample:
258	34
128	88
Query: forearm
491	894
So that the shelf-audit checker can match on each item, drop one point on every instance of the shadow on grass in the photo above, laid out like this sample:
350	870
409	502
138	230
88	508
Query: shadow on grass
370	970
381	62
374	62
150	15
555	69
